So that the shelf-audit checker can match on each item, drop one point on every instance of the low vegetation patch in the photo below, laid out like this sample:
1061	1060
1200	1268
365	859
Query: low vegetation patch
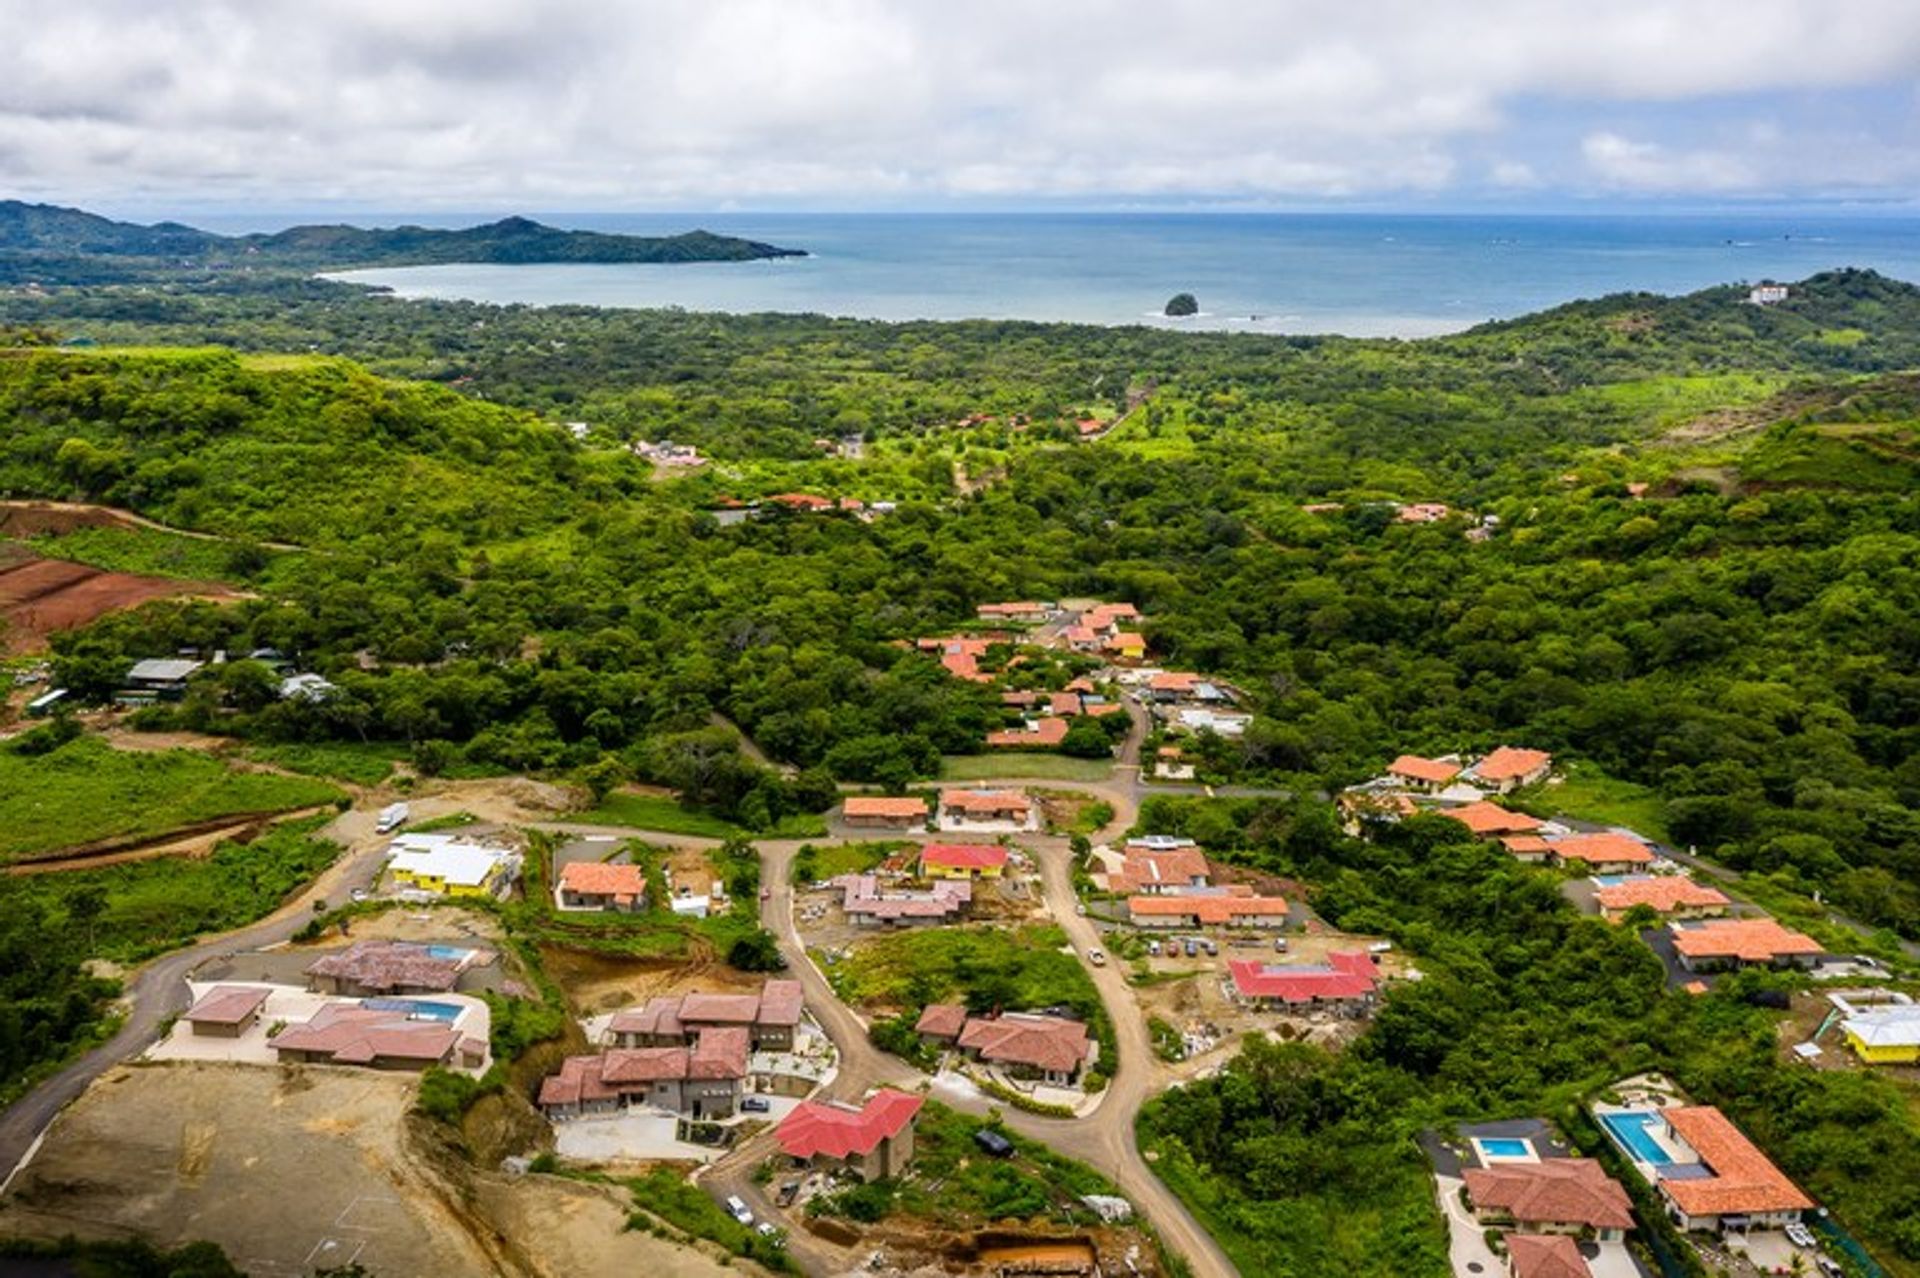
665	1194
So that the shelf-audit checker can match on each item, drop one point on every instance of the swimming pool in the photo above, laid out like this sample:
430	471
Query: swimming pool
416	1007
453	952
1629	1130
1504	1147
1615	880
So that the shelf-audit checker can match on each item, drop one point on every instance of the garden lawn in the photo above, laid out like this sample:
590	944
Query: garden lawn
86	791
1589	794
986	767
362	763
652	812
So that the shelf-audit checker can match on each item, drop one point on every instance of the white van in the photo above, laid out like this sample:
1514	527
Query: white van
738	1209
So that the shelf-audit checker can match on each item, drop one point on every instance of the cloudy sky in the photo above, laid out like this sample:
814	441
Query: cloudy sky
835	104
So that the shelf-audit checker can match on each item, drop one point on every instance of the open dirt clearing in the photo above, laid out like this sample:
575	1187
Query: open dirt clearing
40	597
179	1152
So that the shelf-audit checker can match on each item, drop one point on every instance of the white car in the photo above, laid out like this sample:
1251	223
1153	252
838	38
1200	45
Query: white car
738	1209
1097	957
1799	1235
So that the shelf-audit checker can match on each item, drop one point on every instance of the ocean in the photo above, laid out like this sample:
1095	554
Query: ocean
1355	274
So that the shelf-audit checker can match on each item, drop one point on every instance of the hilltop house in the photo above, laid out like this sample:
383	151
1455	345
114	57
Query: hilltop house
374	968
701	1080
1023	610
156	679
867	905
1348	980
873	1140
1508	768
226	1011
1043	733
769	1018
1207	907
986	810
1427	776
881	812
1741	1188
1051	1049
1545	1256
448	865
1490	820
595	885
1722	943
1551	1196
376	1038
1673	895
1887	1035
962	861
1608	852
1149	870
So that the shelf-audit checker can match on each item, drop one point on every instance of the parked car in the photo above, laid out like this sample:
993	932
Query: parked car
755	1105
1213	950
1153	948
766	1229
737	1208
360	894
1799	1234
1380	947
992	1142
1097	957
788	1192
1192	947
1280	944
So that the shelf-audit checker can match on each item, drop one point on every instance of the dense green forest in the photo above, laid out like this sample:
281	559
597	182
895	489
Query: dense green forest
1681	554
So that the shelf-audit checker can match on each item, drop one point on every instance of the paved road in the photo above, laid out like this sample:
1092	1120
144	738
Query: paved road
158	990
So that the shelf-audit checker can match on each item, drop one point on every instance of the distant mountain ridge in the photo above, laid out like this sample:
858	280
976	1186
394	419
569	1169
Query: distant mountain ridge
56	233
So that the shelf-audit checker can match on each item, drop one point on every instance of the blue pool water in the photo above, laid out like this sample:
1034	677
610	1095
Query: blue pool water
1630	1130
447	952
1504	1147
1615	880
416	1007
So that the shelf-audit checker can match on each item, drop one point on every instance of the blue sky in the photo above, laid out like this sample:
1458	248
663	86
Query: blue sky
156	106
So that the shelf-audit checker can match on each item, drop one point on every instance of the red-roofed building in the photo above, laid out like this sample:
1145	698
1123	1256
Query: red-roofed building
1490	820
1744	1190
226	1011
867	904
1604	853
1018	610
1128	645
961	808
702	1080
1509	768
595	885
1171	685
1152	871
1545	1256
801	501
875	1139
1038	734
1673	895
343	1034
1552	1196
962	861
884	812
1719	943
1212	909
1530	848
1050	1048
941	1022
1426	775
1347	978
960	655
1422	512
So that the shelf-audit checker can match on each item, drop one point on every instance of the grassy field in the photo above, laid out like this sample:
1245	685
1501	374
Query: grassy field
156	905
86	791
984	767
842	858
361	763
143	551
1589	794
665	816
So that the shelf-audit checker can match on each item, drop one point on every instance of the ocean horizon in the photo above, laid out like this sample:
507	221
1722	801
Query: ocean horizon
1361	275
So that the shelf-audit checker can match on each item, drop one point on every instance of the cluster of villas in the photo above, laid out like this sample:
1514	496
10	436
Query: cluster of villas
1025	1046
696	1055
381	1005
956	811
947	873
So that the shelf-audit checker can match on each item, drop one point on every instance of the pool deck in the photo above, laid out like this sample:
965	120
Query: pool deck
1678	1155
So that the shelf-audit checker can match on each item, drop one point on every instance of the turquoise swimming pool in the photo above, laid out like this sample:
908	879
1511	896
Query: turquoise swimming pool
1629	1130
416	1007
1504	1147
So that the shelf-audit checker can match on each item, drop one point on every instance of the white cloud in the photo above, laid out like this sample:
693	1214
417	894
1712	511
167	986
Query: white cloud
472	103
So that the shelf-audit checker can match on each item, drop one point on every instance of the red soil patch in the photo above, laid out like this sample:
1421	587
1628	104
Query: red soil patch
31	518
39	597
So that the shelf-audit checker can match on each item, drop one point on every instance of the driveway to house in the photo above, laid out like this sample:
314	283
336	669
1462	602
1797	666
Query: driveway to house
158	990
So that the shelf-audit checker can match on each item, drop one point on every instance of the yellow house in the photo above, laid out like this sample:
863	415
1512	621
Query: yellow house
1128	644
447	866
962	861
1885	1035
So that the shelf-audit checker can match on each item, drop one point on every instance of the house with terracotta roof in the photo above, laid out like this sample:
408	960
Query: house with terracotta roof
1360	808
1421	512
1152	871
385	967
1051	1049
1427	776
962	861
1528	848
769	1018
940	1023
1170	763
884	812
375	1038
596	885
1545	1256
1605	852
873	1139
986	810
1126	645
1348	979
1673	895
1721	1180
960	655
802	501
1508	768
1490	820
1723	943
1550	1196
1218	907
226	1011
1035	734
702	1079
868	904
1021	610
